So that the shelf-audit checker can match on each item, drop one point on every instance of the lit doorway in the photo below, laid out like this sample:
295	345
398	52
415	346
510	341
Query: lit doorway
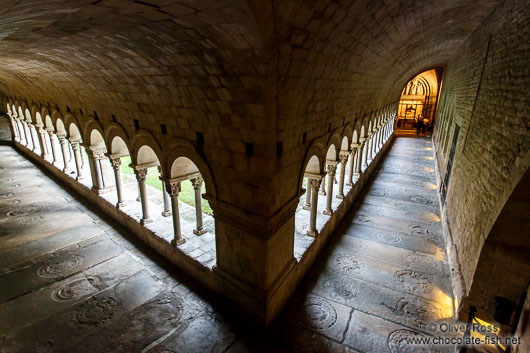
418	103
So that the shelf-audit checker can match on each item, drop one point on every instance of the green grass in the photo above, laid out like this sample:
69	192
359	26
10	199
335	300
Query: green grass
186	195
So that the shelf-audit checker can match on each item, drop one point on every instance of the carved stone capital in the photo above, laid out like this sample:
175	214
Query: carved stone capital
75	146
343	158
331	169
116	163
141	174
315	184
98	154
173	188
197	183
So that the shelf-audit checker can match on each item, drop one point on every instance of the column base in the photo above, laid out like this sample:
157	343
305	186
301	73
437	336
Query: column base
145	221
102	191
306	207
79	178
178	242
349	183
138	199
120	205
312	233
199	232
340	196
327	212
166	213
356	176
323	193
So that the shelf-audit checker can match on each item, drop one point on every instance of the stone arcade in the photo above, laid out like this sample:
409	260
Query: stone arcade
176	175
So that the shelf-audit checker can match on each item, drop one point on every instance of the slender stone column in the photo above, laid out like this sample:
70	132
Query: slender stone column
27	133
343	160
34	139
64	146
331	168
97	155
369	148
364	152
307	204
42	141
373	147
381	137
314	185
197	184
23	140
116	166
11	128
14	130
174	188
141	175
55	159
322	190
78	162
139	197
166	212
17	129
351	166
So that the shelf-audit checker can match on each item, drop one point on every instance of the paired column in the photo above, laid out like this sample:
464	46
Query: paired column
65	150
42	140
78	162
166	212
364	153
307	204
331	169
197	185
351	166
313	185
141	176
14	131
97	176
173	188
343	160
373	148
116	166
53	148
369	148
27	132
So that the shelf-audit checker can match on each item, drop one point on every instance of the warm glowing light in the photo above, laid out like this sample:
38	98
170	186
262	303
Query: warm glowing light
428	158
445	303
431	186
427	148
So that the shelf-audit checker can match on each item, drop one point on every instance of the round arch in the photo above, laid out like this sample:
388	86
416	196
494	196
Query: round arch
180	148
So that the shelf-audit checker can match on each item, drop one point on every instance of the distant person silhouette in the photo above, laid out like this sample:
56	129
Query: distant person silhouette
419	126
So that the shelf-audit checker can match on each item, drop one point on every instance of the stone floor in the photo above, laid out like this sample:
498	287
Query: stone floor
72	281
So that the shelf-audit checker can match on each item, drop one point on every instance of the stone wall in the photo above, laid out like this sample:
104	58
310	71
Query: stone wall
485	92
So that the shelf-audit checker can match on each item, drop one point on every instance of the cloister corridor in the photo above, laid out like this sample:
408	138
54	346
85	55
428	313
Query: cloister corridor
72	281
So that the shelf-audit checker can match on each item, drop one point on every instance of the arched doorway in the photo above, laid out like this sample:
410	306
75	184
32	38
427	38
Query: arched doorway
418	102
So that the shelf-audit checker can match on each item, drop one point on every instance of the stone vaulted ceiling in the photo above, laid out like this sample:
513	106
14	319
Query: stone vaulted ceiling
194	59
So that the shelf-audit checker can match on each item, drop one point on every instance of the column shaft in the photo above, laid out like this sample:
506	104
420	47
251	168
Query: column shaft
343	161
141	175
307	204
314	185
78	162
331	175
197	184
116	166
174	188
64	146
